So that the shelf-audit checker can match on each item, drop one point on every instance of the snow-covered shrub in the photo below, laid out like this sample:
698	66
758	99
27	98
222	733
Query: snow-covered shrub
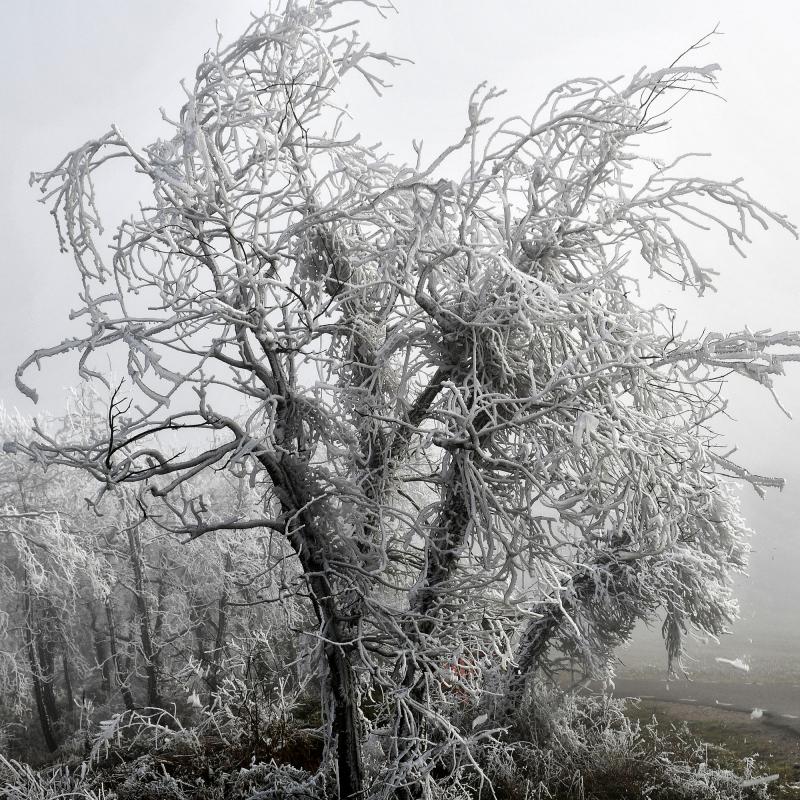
584	747
19	781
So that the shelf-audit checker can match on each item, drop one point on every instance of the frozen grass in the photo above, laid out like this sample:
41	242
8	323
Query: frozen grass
730	738
562	748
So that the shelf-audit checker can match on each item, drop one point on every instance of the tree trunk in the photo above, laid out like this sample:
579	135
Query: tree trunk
442	554
346	723
199	624
532	646
47	668
100	654
160	598
311	546
68	686
151	655
120	674
46	721
539	633
341	680
222	628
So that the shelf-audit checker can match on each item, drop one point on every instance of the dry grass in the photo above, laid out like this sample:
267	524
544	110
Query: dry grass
730	737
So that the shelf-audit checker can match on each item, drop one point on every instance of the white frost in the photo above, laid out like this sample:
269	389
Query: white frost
585	426
736	663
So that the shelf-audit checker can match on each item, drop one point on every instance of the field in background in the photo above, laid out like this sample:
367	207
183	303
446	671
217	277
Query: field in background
773	656
730	737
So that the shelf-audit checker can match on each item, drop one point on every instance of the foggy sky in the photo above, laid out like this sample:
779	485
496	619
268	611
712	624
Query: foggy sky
72	67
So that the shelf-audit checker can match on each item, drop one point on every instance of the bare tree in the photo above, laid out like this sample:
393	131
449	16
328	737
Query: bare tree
453	413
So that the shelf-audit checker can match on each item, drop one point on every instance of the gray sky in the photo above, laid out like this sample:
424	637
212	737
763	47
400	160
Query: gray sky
72	67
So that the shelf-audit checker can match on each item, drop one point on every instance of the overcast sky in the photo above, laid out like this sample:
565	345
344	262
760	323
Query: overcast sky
73	67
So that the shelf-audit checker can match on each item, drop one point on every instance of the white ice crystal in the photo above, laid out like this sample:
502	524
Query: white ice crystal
736	663
479	720
585	426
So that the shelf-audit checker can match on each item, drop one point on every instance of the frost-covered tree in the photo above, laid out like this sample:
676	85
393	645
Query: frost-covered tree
479	452
101	613
47	572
